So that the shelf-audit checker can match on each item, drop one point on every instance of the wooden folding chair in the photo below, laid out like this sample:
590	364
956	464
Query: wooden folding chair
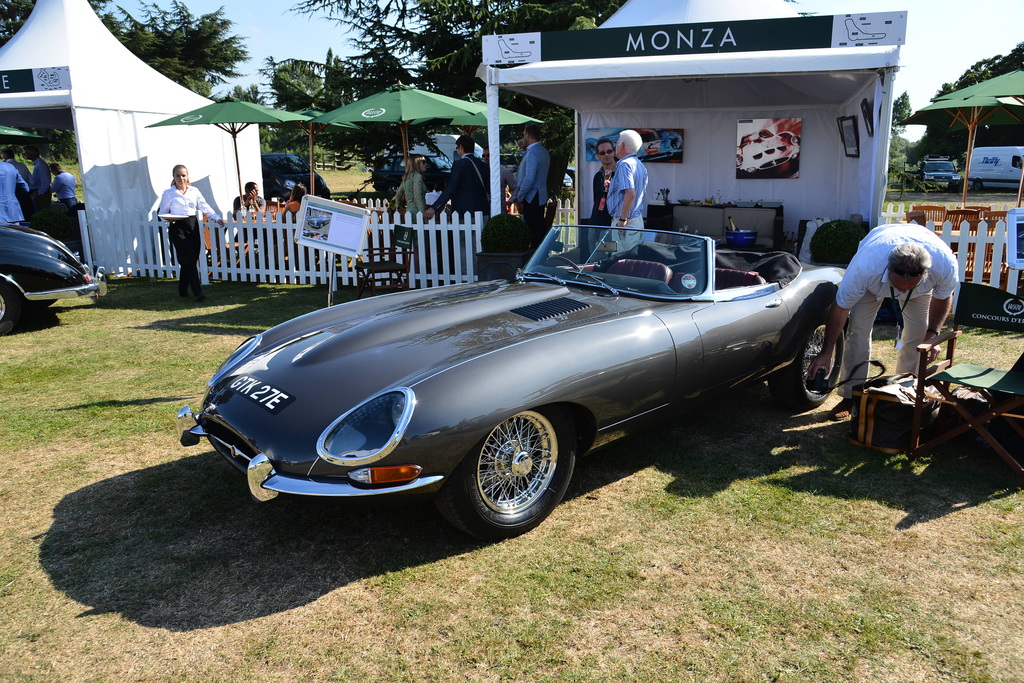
993	309
386	267
958	216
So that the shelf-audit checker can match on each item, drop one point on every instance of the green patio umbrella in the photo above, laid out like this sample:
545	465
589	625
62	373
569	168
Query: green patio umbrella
400	104
233	116
956	113
1008	88
15	136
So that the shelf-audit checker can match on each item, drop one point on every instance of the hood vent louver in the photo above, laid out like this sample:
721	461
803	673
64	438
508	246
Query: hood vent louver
550	309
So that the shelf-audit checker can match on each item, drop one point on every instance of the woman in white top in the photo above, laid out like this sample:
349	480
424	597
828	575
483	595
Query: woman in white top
182	199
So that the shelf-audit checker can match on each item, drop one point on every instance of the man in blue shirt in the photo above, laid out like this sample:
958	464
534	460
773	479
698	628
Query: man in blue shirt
532	180
627	191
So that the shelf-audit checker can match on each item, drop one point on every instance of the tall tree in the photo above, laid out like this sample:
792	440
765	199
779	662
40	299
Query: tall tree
197	52
436	45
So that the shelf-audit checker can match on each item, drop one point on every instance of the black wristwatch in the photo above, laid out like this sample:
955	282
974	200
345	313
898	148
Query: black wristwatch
934	332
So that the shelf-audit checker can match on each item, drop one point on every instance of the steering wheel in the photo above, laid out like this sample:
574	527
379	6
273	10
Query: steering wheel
567	260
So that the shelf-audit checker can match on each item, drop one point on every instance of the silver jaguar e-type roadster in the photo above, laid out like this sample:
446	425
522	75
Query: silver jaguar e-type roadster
482	395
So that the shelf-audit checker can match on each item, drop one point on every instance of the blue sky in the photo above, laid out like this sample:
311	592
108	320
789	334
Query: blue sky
943	40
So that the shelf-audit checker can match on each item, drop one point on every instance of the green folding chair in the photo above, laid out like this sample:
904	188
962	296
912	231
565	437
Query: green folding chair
993	309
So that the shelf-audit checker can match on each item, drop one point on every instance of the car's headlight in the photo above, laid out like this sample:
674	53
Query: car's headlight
369	431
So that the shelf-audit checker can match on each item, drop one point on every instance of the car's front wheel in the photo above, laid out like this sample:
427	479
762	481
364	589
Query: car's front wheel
11	305
514	478
789	385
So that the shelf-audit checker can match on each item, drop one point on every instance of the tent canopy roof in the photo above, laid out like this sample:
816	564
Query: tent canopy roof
754	80
646	13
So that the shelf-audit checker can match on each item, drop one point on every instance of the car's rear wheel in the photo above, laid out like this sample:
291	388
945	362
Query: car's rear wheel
11	305
977	185
514	478
789	385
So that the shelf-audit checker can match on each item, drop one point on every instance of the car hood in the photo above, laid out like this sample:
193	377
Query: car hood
401	339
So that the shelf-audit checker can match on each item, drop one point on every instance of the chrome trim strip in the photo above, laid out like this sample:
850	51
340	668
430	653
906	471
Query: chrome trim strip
91	289
265	484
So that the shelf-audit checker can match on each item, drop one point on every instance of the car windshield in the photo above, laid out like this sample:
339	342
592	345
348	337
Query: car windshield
649	263
939	166
288	164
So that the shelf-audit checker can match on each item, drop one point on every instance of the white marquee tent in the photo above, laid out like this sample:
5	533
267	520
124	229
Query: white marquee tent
65	70
706	95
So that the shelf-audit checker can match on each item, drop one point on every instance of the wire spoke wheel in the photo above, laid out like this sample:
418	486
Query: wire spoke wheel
517	463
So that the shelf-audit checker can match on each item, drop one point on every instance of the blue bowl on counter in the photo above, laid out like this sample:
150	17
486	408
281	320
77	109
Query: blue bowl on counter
737	239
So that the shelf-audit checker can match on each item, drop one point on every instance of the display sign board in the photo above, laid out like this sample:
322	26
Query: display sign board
332	226
35	80
1015	238
792	33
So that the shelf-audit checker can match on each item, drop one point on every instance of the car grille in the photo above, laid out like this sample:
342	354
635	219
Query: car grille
550	309
232	446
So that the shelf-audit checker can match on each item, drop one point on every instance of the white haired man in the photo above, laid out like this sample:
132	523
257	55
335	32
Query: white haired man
918	271
626	192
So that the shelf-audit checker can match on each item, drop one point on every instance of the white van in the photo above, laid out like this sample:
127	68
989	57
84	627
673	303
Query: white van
995	167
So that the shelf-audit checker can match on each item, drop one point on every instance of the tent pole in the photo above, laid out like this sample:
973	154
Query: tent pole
493	142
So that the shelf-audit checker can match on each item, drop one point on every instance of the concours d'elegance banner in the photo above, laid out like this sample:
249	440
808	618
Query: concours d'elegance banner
759	35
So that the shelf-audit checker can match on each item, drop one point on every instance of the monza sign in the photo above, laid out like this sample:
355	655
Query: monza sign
793	33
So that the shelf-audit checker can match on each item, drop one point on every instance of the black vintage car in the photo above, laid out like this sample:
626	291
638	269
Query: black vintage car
36	270
388	175
281	172
483	394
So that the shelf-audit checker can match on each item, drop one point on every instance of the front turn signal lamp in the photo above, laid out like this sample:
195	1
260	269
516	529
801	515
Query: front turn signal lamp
385	476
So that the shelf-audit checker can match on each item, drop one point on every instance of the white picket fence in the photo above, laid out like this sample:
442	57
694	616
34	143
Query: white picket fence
263	248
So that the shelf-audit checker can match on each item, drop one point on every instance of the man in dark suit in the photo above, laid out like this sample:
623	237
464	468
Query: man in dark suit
469	184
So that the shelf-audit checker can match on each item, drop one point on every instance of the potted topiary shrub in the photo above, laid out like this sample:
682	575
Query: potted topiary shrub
505	244
56	224
836	242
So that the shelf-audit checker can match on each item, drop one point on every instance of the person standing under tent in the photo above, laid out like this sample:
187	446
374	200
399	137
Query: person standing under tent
24	198
627	191
184	199
532	194
39	183
10	182
63	186
468	185
413	190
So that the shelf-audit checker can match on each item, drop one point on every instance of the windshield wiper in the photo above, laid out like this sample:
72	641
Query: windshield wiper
544	276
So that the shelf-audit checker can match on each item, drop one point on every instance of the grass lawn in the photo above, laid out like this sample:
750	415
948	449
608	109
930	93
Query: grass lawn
737	543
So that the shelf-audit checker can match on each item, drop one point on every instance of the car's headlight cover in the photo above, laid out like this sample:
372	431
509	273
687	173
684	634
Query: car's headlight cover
369	431
242	351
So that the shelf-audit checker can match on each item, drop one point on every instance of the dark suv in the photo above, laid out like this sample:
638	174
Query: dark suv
388	175
938	169
282	171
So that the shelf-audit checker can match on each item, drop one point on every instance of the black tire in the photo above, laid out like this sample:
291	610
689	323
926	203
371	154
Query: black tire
977	185
789	384
11	305
512	480
390	188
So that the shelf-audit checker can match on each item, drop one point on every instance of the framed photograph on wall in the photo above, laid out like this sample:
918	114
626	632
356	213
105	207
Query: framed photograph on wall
850	135
658	145
768	148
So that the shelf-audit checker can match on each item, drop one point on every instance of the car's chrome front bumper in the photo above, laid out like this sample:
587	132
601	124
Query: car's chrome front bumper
265	482
95	288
